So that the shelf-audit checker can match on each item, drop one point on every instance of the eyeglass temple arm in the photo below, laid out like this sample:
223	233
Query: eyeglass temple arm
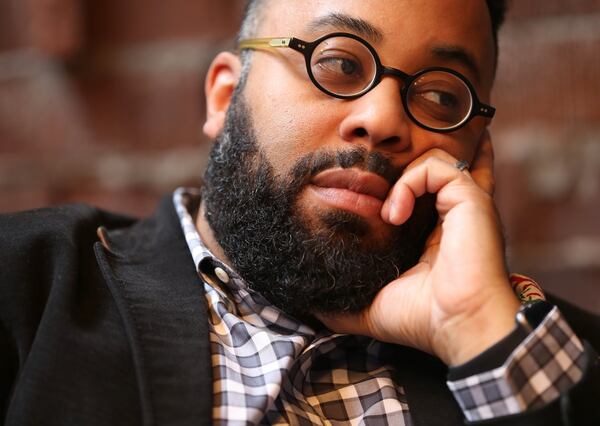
274	42
257	43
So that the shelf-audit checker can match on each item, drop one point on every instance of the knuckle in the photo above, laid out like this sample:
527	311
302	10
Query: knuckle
432	161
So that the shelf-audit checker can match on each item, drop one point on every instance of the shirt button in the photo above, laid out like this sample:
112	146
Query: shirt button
221	275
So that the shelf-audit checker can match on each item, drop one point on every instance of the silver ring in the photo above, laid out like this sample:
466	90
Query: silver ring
461	165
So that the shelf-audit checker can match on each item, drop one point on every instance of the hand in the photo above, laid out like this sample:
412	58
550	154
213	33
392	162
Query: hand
457	301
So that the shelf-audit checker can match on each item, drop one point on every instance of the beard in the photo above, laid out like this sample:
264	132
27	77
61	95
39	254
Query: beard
301	267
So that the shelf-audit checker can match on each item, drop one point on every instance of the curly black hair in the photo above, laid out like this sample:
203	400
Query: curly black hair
497	10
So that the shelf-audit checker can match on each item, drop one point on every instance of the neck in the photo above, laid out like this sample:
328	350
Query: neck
208	237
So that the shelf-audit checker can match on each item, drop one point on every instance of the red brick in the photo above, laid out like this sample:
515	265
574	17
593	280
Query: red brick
141	21
13	28
56	26
527	218
537	8
144	111
38	114
551	82
18	199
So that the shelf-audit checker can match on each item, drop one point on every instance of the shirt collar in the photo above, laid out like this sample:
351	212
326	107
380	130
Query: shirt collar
208	265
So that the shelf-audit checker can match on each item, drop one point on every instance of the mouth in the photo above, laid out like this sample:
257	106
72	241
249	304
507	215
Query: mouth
352	190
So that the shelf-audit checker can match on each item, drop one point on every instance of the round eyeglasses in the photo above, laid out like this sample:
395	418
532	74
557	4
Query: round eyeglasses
345	66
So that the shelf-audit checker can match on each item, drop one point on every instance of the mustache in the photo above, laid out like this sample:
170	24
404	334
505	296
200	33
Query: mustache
316	162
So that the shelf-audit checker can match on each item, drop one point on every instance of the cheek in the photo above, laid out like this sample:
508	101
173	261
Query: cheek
461	144
294	131
291	118
467	141
286	143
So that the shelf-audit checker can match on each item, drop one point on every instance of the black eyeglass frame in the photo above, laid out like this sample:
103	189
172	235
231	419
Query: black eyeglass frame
307	49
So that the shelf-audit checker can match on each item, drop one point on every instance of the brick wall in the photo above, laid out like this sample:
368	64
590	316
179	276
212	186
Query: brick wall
547	140
102	102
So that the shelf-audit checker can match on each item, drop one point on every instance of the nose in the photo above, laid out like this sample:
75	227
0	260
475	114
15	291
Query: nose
378	119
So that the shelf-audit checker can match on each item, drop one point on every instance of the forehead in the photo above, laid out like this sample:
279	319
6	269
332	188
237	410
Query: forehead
409	28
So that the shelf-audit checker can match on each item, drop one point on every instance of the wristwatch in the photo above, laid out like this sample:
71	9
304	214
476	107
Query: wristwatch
530	315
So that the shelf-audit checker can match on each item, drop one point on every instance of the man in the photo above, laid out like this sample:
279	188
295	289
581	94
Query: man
338	199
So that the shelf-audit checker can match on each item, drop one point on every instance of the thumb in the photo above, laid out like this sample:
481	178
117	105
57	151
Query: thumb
345	323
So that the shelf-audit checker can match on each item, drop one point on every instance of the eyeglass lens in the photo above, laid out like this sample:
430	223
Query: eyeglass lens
345	67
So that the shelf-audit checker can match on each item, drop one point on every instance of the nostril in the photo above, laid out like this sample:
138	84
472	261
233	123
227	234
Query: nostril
360	132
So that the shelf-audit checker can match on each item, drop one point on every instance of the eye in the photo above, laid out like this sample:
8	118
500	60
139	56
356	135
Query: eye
441	98
439	102
339	66
342	66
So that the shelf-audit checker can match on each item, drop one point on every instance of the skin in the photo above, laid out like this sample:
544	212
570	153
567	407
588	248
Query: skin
457	301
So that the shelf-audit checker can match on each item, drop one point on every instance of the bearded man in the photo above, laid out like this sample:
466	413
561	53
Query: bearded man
342	263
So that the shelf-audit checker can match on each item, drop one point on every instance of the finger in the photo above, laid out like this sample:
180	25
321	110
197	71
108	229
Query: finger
428	177
399	204
395	210
434	152
344	323
482	169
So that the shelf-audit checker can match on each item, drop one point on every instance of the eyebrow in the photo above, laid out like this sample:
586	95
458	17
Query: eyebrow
361	27
348	23
458	55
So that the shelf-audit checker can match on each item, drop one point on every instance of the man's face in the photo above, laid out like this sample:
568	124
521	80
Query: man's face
292	118
276	191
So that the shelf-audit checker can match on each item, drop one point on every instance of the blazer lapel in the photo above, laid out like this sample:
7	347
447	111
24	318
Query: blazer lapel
151	275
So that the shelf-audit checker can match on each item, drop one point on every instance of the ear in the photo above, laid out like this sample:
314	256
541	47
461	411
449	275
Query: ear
221	80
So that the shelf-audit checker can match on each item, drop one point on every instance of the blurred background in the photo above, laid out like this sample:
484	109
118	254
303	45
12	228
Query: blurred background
102	102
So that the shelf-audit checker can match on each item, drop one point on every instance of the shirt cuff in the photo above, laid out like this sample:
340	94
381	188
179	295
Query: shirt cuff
545	364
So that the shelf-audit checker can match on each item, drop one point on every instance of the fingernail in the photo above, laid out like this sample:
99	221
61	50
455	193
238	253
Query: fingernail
393	213
385	211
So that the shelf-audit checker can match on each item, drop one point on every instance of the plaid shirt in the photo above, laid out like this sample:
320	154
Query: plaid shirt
269	368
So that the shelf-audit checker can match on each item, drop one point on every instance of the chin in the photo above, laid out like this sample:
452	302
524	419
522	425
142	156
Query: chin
339	224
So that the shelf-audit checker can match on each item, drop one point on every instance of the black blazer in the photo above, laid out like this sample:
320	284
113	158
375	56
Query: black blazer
103	322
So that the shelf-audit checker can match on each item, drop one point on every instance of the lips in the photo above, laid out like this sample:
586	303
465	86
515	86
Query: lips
354	180
352	190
